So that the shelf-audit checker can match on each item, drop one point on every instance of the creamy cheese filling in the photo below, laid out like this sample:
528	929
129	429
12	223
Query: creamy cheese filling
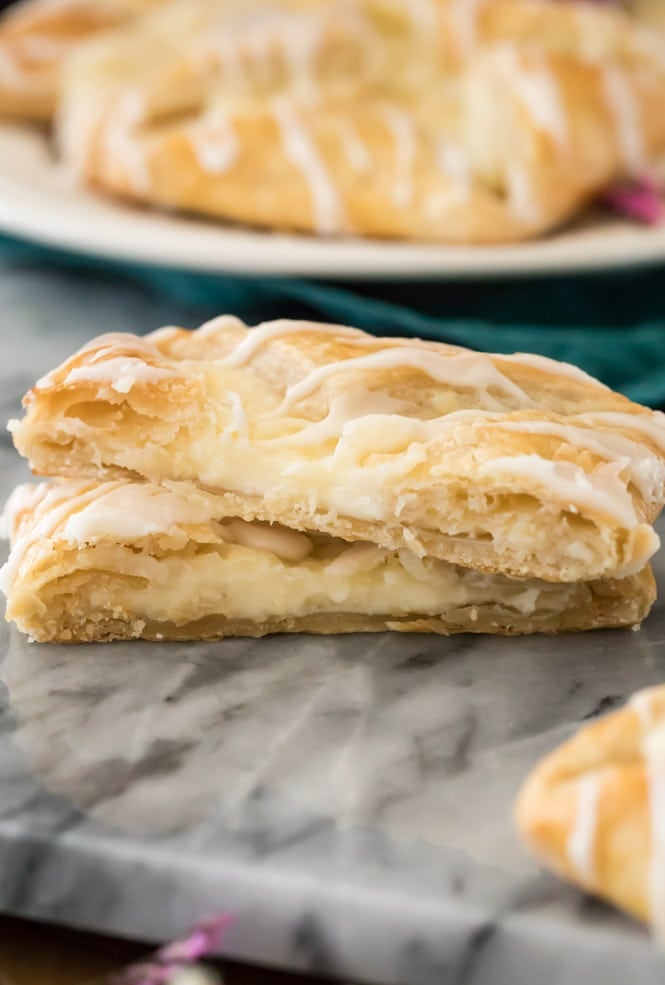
242	582
166	558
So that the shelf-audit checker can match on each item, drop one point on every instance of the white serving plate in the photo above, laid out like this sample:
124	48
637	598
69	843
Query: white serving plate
38	203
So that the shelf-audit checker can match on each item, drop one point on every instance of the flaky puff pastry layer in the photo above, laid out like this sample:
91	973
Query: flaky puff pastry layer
446	121
121	560
37	37
594	810
508	464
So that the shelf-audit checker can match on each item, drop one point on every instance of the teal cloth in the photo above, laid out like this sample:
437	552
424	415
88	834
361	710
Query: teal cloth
612	325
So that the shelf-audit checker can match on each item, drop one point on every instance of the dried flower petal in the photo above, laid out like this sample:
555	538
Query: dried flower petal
172	959
639	200
201	941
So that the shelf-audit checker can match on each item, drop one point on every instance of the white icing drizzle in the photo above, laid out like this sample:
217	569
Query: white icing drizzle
464	369
378	433
355	150
165	333
262	34
121	142
454	163
301	43
55	506
349	409
465	19
653	749
127	512
520	194
358	418
581	842
625	111
222	323
215	143
256	337
23	498
646	472
555	368
601	491
258	44
123	372
81	513
300	149
238	425
650	424
400	126
104	345
539	93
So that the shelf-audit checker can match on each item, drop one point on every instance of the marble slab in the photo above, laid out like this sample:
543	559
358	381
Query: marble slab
348	799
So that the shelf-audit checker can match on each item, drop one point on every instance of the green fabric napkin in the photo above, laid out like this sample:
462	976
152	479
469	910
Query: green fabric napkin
612	325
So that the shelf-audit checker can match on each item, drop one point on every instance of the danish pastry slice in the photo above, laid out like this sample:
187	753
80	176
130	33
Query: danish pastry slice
334	122
122	559
594	810
37	37
513	465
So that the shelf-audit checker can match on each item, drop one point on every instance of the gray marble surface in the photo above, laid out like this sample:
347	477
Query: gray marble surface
348	799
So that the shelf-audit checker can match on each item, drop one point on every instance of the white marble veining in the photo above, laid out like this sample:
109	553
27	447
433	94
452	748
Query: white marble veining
350	799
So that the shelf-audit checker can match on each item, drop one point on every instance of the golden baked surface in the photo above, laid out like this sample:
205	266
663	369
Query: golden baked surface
37	37
122	559
650	12
594	810
508	464
440	120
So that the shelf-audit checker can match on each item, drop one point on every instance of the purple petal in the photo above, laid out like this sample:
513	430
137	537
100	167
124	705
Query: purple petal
201	941
639	200
175	956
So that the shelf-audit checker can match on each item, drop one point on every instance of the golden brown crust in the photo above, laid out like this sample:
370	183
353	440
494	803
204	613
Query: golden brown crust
514	465
37	37
592	810
492	126
122	560
650	13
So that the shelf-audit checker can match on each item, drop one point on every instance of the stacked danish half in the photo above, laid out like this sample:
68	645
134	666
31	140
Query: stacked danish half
306	477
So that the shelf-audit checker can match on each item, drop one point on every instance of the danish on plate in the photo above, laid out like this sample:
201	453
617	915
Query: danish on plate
448	121
594	810
37	37
122	559
514	465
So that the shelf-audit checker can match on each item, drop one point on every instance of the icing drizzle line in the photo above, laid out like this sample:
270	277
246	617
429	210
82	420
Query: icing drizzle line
582	839
653	750
301	151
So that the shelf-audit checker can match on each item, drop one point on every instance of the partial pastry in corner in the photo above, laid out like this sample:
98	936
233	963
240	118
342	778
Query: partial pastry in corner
122	559
37	37
462	123
594	810
516	465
